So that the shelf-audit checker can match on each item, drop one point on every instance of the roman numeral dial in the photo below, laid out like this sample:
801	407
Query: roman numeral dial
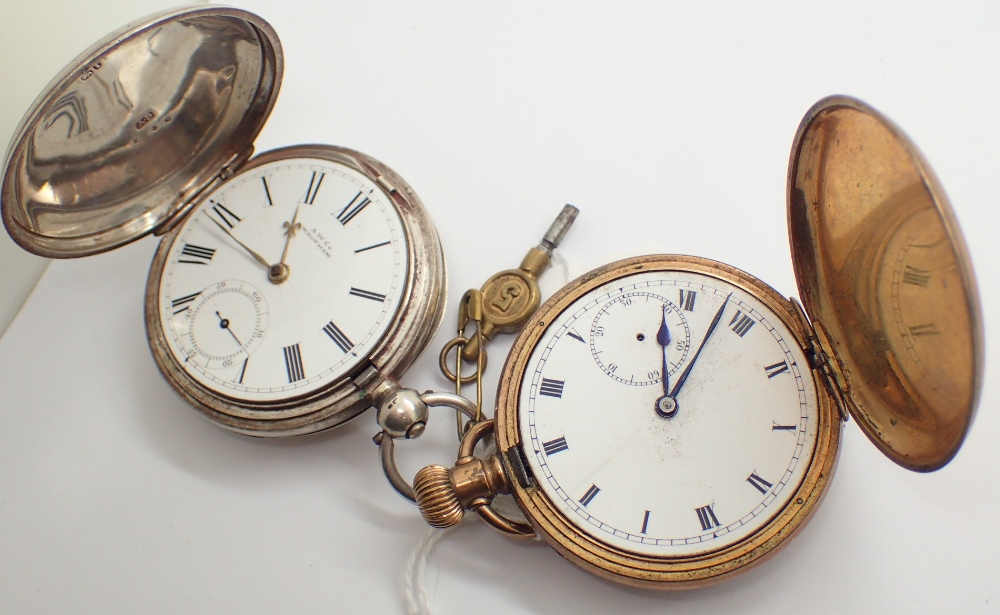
344	252
665	413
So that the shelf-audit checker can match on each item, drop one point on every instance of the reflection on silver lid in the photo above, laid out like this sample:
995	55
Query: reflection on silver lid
135	126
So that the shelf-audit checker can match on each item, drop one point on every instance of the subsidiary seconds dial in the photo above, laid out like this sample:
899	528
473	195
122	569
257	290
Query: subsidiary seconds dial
226	323
639	336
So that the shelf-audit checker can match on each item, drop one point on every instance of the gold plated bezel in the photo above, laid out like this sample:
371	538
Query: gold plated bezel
628	567
418	317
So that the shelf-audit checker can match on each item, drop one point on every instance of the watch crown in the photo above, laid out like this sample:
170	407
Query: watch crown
435	496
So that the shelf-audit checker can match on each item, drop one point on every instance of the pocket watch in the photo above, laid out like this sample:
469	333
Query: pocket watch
286	286
669	421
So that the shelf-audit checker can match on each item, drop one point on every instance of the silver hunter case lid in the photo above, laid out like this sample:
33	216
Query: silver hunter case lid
124	139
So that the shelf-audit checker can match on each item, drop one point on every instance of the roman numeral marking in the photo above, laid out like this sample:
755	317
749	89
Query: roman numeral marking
776	427
916	277
267	191
687	299
293	363
555	446
552	388
183	302
774	370
224	215
378	245
645	523
741	323
590	495
758	483
357	204
338	336
366	294
922	330
243	371
313	188
707	517
197	255
573	334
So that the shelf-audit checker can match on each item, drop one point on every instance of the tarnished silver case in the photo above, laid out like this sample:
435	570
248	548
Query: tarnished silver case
146	124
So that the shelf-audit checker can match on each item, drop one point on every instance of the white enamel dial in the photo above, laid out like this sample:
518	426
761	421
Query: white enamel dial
282	280
701	473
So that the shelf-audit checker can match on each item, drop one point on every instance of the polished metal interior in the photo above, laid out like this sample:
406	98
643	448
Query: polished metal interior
884	273
135	126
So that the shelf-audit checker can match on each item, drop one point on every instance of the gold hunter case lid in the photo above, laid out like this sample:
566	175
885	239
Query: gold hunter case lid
136	126
885	276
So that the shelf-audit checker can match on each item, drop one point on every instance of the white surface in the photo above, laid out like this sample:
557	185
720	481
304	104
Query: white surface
678	478
670	127
267	321
20	270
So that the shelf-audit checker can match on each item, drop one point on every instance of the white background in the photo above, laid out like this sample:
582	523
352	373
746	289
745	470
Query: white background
669	126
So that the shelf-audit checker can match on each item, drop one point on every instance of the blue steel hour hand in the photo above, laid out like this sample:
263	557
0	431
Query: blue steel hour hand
665	405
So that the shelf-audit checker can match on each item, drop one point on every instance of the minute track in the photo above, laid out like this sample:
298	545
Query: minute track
288	211
606	445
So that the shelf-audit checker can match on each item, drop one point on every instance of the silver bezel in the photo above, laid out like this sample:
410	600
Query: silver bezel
416	321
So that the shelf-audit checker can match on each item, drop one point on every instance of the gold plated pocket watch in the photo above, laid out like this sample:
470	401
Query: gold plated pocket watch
668	421
288	285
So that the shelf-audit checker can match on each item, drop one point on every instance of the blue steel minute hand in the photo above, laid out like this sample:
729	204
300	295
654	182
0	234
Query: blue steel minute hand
708	334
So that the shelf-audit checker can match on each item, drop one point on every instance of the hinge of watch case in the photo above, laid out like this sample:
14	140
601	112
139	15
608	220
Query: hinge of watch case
517	462
366	377
382	181
226	172
819	361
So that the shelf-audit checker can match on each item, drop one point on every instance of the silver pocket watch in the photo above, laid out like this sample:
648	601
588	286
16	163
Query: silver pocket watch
287	285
